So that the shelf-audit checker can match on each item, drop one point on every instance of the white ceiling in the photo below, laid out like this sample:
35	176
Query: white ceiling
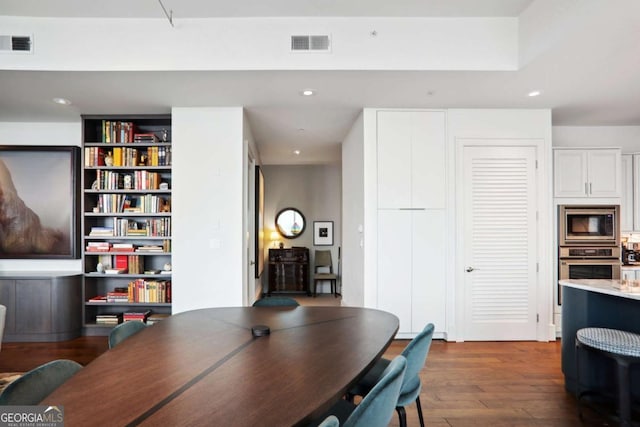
591	80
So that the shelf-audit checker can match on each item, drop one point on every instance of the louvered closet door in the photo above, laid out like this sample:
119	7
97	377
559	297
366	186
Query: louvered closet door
500	243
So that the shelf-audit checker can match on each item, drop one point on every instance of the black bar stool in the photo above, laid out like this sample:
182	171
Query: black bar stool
621	346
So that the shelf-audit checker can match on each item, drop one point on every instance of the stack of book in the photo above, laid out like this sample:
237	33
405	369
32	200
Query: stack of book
145	137
98	247
156	317
101	231
136	316
149	248
122	247
118	297
109	319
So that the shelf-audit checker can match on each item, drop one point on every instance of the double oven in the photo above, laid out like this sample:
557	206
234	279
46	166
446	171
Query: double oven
588	243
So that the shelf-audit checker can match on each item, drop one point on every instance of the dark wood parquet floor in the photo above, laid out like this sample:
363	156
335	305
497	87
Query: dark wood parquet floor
464	384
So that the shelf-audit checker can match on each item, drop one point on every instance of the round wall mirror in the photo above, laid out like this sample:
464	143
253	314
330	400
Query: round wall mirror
290	223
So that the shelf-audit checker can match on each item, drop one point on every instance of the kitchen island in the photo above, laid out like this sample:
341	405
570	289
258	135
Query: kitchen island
601	303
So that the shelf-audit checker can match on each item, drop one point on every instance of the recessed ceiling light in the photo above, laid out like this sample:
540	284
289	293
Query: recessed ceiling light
296	152
62	101
534	93
308	92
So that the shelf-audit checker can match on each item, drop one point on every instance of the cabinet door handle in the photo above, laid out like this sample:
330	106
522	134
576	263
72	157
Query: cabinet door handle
590	189
469	269
586	188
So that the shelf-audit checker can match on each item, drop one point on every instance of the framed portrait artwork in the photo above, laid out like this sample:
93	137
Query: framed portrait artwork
39	207
323	233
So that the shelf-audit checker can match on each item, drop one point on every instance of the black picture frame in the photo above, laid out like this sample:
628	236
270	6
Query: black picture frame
322	233
39	209
259	222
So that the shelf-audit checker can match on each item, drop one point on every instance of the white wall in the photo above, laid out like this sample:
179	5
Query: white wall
264	43
315	190
625	137
353	215
12	133
208	207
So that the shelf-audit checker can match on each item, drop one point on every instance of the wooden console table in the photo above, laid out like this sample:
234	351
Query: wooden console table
289	270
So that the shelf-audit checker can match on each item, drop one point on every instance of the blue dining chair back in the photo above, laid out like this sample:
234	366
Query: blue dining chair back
276	302
124	331
376	408
416	354
330	421
38	383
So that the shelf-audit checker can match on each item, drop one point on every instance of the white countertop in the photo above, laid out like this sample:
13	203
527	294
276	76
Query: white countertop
620	288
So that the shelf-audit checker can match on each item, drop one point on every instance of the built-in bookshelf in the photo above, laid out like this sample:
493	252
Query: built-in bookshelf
126	219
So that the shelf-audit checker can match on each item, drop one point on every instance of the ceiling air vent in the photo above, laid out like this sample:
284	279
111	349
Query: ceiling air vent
15	44
310	43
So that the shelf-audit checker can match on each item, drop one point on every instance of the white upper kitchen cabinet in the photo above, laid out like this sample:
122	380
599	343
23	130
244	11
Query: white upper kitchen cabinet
586	173
411	159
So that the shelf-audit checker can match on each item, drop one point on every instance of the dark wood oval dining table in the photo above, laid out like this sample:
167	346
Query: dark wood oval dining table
205	368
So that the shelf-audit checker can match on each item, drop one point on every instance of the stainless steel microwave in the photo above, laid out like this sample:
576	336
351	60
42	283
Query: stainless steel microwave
589	225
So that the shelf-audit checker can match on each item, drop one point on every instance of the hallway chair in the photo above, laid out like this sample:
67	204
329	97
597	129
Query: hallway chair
323	260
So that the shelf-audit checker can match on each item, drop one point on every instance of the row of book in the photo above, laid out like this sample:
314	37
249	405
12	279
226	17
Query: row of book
138	180
117	131
140	291
127	157
119	203
157	227
125	227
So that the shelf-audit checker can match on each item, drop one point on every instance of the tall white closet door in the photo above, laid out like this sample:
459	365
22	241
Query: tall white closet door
429	273
428	160
500	242
394	265
394	159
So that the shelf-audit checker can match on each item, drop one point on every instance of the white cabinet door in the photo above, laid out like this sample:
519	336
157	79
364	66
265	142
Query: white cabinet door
428	160
411	159
394	159
586	173
604	173
429	282
570	173
626	186
394	265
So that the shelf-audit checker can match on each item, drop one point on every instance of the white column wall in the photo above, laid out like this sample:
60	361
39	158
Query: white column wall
208	207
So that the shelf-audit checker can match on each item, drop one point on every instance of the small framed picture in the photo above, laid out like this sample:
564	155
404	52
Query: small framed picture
323	233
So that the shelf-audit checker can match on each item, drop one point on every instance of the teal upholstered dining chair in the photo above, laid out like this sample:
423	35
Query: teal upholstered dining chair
276	302
39	382
124	331
330	421
376	408
416	353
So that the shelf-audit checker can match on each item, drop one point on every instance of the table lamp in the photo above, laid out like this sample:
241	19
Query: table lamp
275	238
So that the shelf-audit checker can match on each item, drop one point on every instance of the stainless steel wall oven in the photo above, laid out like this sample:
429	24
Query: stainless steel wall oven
589	243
